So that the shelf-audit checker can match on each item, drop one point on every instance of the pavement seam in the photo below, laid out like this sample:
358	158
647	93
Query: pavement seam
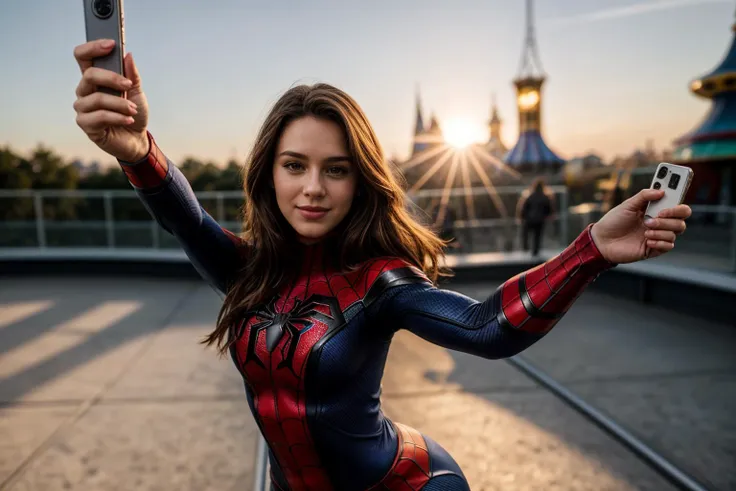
648	376
666	466
95	398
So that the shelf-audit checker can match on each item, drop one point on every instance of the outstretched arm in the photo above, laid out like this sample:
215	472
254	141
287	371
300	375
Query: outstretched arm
514	317
167	195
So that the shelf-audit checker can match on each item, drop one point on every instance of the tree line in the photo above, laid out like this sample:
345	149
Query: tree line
43	169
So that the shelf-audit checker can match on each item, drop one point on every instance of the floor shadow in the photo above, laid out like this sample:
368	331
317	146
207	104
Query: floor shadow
154	315
35	325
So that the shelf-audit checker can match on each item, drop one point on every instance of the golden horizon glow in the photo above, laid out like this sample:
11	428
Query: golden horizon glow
461	133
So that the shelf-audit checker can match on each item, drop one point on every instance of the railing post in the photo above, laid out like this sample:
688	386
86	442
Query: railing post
563	216
220	208
109	224
40	225
155	241
733	240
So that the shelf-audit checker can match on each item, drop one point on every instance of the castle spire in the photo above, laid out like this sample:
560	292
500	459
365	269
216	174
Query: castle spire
530	53
419	123
494	110
434	125
494	145
494	124
531	153
418	145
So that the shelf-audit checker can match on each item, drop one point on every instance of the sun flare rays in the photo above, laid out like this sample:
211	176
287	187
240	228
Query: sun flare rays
442	154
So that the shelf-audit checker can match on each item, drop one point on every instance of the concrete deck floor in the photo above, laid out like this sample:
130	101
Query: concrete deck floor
103	385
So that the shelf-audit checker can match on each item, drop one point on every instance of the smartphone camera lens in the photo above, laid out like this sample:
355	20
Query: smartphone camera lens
662	172
674	181
657	185
102	8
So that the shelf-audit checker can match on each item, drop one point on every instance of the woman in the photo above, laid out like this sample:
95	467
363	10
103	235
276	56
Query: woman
535	205
330	265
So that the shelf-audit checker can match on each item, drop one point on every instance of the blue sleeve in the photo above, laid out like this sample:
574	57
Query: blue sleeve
215	252
519	313
454	321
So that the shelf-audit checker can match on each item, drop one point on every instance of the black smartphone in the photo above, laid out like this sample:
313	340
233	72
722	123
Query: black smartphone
103	19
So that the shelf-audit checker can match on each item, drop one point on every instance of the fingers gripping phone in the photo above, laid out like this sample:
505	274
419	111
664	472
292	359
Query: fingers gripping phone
103	19
675	181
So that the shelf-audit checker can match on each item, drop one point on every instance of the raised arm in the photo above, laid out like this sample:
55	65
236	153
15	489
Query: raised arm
118	126
515	316
214	251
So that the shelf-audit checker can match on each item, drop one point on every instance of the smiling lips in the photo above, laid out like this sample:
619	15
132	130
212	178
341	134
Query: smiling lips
312	212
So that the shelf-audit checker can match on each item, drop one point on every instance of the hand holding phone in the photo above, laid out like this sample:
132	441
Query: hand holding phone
623	236
674	180
111	106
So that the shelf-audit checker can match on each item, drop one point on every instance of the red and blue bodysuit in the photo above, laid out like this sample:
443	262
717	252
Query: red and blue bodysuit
313	356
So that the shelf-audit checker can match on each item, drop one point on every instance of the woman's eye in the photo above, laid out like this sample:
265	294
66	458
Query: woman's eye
293	166
339	171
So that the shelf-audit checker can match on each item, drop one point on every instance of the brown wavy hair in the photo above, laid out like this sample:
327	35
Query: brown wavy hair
377	225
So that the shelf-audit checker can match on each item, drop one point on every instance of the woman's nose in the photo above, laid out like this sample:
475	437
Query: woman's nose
313	185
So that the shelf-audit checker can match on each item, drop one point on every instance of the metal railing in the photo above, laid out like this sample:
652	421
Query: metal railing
111	218
115	219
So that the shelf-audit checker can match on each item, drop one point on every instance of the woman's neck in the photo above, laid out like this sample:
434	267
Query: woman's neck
316	240
317	253
308	241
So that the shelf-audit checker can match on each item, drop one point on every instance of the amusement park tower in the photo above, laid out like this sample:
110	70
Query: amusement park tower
419	146
710	149
531	155
495	145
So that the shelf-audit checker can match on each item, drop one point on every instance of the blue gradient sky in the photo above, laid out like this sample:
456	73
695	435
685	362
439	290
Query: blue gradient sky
618	69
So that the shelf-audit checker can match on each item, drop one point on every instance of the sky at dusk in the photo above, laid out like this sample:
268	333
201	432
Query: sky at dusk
618	70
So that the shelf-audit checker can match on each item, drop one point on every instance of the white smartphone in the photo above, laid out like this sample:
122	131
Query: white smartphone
675	181
104	19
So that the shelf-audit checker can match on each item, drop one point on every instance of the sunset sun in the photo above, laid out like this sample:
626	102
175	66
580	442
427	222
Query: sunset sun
461	133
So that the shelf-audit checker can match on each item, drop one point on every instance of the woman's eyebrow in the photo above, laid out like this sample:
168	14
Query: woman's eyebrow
336	158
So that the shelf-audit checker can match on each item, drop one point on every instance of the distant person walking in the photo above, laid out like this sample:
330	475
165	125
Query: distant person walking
534	208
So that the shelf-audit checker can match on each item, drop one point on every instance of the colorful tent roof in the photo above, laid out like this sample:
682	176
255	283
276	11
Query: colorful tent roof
721	78
708	151
531	149
715	137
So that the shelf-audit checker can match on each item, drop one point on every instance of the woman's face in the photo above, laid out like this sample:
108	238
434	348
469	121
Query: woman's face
313	177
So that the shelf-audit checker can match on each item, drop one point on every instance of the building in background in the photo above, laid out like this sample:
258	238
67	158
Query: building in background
710	148
531	156
495	145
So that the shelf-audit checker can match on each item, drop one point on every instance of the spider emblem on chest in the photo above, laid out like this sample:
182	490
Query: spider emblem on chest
300	319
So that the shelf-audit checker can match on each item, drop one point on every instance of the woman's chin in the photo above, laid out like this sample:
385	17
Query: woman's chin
311	234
